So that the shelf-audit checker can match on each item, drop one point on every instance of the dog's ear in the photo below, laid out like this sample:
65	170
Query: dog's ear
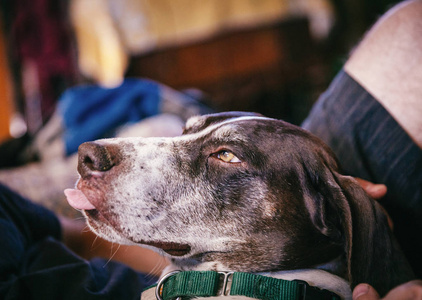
340	206
373	254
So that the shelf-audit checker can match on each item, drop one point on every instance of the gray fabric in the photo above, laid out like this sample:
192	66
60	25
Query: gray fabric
371	145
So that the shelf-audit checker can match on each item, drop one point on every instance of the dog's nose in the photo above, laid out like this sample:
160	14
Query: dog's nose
94	157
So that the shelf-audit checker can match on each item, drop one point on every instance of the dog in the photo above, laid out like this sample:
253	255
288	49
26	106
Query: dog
240	192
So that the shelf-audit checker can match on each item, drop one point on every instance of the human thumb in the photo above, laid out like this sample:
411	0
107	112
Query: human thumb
364	291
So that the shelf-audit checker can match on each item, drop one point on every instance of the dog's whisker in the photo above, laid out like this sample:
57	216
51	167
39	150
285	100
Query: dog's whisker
96	243
160	264
86	229
112	254
115	252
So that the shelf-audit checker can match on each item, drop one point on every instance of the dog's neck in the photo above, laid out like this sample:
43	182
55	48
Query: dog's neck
314	277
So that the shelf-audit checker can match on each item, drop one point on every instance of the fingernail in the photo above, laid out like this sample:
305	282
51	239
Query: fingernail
360	290
377	190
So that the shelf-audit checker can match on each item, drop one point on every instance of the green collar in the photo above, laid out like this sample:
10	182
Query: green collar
190	284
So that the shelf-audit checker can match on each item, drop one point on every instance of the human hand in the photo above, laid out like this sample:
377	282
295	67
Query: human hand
411	290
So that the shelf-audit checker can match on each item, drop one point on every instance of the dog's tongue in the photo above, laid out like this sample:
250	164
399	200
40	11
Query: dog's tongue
77	199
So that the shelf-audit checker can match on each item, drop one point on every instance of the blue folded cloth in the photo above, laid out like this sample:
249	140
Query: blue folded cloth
90	112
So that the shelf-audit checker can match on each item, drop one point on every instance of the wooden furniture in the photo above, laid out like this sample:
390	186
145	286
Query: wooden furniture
269	69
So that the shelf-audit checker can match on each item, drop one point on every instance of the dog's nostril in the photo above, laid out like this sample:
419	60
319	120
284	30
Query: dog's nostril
88	162
96	157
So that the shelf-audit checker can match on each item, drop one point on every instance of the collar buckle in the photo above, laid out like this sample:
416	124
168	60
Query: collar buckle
225	289
159	288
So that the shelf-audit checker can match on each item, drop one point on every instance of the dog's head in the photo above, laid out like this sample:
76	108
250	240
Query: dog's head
238	192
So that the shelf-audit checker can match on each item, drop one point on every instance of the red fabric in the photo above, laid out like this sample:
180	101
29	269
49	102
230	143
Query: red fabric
42	36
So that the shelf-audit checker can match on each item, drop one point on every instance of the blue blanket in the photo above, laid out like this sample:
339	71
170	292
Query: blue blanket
91	112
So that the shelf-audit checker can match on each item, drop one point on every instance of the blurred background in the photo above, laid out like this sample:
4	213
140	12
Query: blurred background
269	56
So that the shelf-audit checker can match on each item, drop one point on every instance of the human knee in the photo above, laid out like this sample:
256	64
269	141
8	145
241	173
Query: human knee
404	17
407	9
400	26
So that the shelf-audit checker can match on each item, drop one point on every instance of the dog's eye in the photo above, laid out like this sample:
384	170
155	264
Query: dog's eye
227	157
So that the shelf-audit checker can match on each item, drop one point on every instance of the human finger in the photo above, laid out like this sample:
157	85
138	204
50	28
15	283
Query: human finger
375	190
364	291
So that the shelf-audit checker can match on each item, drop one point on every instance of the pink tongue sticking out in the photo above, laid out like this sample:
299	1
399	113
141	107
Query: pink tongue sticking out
77	199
